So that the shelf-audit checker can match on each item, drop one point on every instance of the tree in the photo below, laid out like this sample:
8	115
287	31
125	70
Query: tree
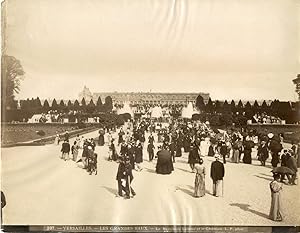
46	106
274	107
11	75
226	107
248	110
232	106
37	105
209	106
76	105
217	106
265	107
54	105
240	107
62	105
108	105
91	107
256	107
69	105
99	104
83	104
200	103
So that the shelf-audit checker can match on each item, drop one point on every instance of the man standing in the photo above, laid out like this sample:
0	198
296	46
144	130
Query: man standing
217	173
291	163
150	150
223	151
65	150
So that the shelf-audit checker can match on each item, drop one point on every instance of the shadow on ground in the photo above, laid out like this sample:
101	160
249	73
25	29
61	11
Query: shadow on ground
247	208
111	190
265	178
189	190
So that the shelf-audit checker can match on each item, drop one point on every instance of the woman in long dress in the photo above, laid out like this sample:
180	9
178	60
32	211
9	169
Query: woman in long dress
199	179
236	151
276	187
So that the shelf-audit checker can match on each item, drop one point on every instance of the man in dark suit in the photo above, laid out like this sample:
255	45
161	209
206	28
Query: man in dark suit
125	173
65	150
217	173
291	163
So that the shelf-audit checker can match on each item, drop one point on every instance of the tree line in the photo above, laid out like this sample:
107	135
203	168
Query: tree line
35	106
290	112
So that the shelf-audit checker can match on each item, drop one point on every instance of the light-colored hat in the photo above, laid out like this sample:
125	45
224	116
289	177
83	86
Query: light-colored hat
270	135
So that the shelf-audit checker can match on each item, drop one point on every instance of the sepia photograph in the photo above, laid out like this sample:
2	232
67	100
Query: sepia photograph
150	115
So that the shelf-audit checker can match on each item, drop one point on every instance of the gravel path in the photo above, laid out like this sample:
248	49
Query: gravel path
40	188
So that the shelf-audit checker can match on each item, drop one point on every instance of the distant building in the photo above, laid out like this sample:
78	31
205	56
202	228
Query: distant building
297	83
86	94
143	97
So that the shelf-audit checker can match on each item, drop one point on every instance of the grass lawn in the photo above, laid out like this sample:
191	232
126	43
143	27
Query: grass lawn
13	133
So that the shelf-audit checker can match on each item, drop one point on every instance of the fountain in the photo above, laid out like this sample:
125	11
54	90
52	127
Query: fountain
126	109
156	112
187	112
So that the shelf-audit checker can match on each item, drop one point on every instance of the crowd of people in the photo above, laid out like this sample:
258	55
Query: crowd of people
81	152
165	142
264	118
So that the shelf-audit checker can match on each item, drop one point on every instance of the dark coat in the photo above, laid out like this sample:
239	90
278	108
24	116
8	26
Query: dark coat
164	162
211	151
139	153
65	148
291	163
217	171
194	156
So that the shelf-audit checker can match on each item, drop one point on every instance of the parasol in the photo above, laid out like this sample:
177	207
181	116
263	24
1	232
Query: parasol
283	170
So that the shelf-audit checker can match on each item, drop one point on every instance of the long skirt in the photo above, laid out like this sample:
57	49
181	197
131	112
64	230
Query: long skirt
199	185
235	156
275	211
178	152
75	155
275	159
247	156
101	140
165	167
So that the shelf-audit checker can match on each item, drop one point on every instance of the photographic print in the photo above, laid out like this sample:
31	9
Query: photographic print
150	115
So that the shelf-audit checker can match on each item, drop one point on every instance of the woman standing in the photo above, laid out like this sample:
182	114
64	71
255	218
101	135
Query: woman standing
276	187
74	150
199	179
236	151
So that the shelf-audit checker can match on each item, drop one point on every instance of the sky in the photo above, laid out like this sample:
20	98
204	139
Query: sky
231	49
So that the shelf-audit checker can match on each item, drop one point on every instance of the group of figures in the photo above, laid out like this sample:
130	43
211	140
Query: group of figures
82	151
168	142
